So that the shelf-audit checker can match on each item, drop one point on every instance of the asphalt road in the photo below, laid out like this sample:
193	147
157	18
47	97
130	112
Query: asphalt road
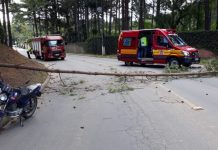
79	112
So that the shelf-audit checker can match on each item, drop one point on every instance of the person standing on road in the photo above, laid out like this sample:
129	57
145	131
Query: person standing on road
143	46
29	51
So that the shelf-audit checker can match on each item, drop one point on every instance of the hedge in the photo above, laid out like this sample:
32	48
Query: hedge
94	45
202	39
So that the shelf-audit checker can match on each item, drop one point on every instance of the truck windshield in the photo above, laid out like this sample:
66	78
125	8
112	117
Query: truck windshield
54	43
176	40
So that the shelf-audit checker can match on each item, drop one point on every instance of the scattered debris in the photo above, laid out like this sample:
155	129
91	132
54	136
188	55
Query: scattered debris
119	88
197	108
90	89
82	81
72	94
103	93
83	97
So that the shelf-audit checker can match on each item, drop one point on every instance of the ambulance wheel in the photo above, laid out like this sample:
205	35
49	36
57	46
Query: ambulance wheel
174	62
187	64
128	63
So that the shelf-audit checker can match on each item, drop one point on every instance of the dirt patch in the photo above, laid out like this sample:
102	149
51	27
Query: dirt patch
16	77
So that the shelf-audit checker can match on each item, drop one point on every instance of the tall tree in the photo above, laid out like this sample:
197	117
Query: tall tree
125	14
4	23
158	13
217	14
119	16
110	17
1	33
35	24
8	23
46	19
207	21
199	16
141	14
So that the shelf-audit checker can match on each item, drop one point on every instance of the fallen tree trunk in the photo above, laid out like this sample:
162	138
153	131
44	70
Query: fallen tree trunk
200	74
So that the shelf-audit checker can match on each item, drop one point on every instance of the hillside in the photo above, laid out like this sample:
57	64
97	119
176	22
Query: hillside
16	77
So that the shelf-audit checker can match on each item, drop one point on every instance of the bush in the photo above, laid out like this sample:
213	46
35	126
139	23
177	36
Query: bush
211	64
202	39
175	69
94	45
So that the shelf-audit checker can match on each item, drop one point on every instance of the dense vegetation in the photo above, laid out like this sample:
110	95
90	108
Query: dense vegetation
79	20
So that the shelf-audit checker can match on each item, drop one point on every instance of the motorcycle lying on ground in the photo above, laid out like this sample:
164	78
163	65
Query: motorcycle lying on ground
18	103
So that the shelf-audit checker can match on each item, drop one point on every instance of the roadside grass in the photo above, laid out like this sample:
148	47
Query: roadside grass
121	79
175	69
210	64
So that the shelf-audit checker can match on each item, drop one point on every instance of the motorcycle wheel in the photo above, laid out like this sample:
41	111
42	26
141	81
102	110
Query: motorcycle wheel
30	108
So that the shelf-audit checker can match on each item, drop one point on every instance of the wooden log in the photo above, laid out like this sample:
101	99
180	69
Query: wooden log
208	73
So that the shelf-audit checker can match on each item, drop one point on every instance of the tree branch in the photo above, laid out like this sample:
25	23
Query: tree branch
213	73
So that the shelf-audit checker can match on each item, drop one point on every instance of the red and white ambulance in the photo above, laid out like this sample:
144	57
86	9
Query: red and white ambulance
161	46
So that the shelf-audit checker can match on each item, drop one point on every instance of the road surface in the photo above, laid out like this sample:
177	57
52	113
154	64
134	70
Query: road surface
80	112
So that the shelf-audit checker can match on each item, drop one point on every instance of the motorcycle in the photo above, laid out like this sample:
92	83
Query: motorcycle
18	103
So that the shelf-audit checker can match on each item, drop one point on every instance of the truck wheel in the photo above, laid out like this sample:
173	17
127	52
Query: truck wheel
38	57
174	62
62	58
44	57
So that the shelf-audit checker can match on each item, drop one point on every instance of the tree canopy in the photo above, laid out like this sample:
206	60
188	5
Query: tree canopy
79	20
